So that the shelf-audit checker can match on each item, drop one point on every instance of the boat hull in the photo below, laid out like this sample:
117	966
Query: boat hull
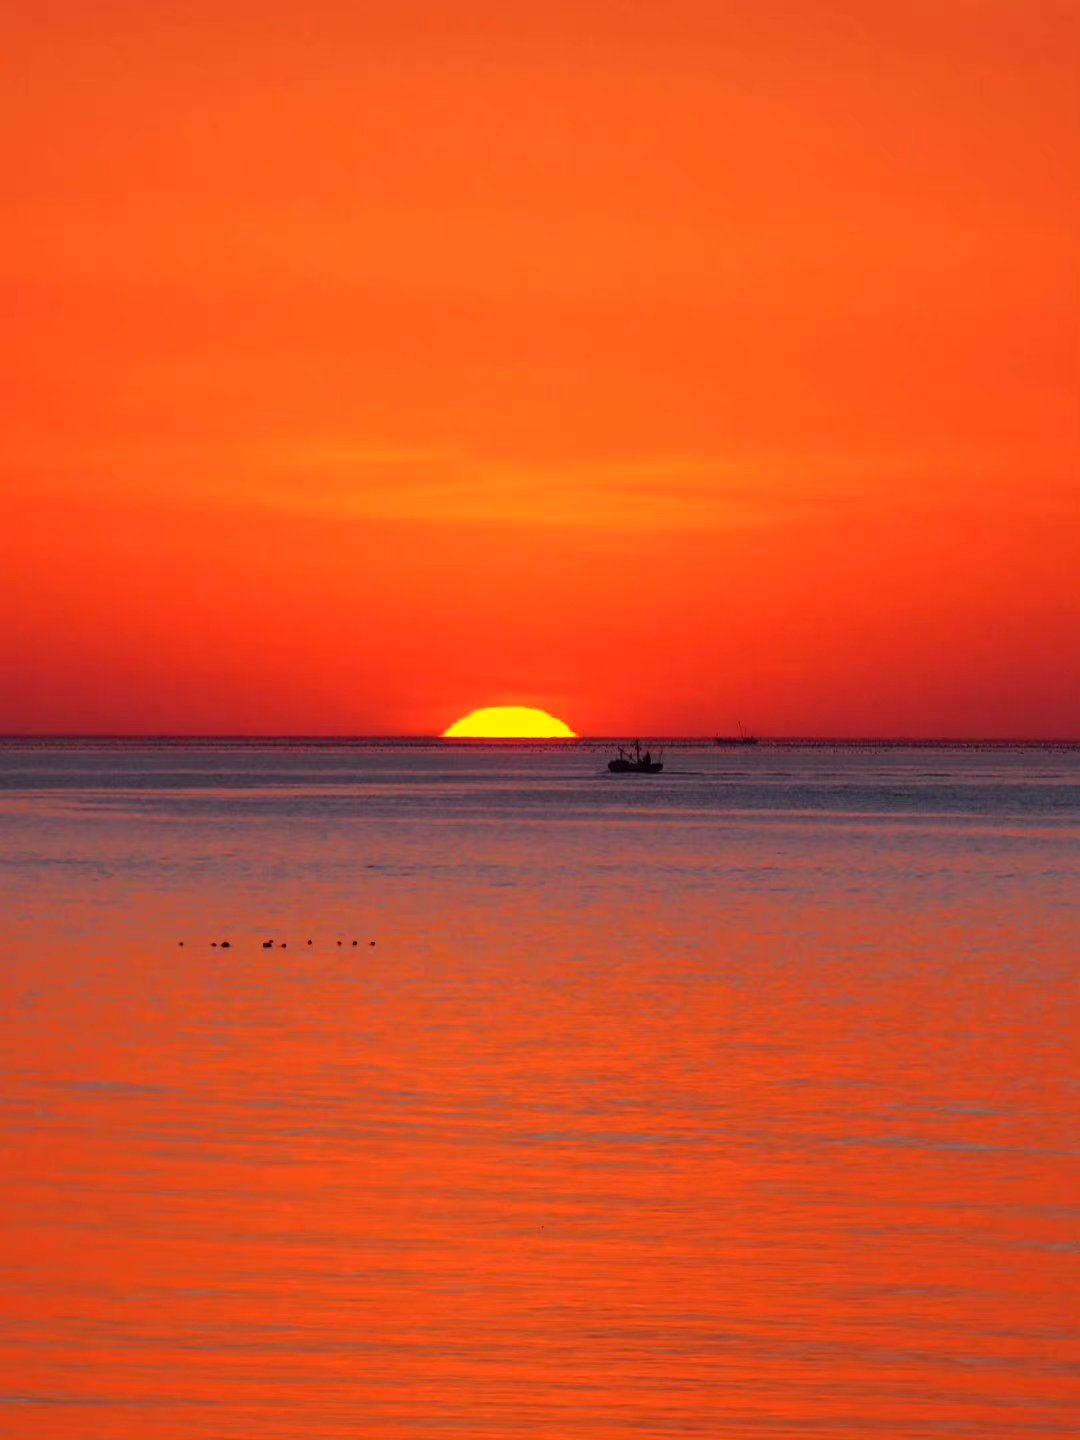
630	767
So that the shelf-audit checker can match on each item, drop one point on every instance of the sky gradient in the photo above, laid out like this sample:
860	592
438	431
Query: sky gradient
661	366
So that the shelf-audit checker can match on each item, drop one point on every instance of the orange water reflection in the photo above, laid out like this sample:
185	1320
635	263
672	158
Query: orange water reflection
634	1167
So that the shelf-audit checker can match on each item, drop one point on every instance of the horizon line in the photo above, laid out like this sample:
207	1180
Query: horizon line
412	737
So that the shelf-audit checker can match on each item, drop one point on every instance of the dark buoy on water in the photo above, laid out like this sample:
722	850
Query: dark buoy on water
268	944
225	945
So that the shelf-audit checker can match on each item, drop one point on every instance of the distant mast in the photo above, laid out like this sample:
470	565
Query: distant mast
742	738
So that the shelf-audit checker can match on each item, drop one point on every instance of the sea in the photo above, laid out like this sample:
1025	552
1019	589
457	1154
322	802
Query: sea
375	1090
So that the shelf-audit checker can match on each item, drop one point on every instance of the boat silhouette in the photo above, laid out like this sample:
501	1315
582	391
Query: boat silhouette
635	762
742	738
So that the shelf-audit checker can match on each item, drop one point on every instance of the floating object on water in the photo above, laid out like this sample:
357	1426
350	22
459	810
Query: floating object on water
742	738
635	762
268	944
225	945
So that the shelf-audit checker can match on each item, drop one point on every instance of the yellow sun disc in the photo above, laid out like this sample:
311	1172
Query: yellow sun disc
508	722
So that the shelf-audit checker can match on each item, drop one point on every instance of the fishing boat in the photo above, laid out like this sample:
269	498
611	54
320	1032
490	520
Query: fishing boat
742	738
635	762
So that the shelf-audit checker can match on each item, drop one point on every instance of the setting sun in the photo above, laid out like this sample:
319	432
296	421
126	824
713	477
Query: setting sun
508	722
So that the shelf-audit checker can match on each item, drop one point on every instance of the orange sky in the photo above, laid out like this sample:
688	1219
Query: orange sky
369	361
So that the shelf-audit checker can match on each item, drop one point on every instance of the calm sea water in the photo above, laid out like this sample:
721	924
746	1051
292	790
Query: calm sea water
736	1102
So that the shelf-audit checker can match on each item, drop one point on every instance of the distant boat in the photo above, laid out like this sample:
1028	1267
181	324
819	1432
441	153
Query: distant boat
635	762
742	738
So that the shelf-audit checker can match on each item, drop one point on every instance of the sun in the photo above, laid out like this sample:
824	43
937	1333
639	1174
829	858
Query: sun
508	722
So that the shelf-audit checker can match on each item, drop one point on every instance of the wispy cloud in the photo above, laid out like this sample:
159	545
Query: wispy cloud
440	484
446	487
